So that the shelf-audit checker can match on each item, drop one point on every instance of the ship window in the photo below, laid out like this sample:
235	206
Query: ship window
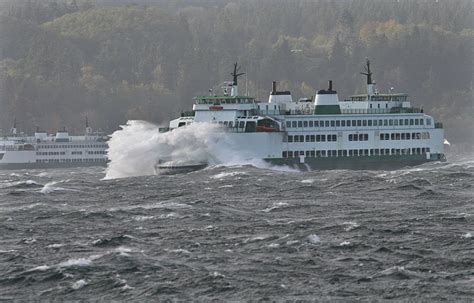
288	124
318	138
350	137
290	138
241	124
351	152
296	139
397	136
356	152
348	123
395	122
334	138
428	121
344	153
390	122
323	138
364	122
293	124
355	137
386	105
301	138
343	123
354	123
378	105
385	122
417	122
284	154
311	123
323	153
406	122
375	122
412	122
421	121
326	123
290	154
359	123
338	123
307	138
366	137
313	154
361	137
339	153
300	123
316	123
370	105
305	123
403	136
369	123
392	136
333	123
312	138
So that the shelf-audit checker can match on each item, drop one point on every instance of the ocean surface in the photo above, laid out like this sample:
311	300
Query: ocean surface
238	232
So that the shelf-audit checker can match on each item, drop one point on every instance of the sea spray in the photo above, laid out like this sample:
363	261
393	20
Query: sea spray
135	149
138	146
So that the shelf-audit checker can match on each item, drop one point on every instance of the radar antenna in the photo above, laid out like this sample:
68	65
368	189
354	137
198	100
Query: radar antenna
368	73
236	74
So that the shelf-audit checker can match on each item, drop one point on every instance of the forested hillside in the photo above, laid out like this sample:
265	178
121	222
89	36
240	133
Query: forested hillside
63	60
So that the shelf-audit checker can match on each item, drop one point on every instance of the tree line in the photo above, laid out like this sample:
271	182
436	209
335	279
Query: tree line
61	61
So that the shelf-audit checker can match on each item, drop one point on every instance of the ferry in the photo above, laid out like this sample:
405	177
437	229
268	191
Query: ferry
366	131
43	150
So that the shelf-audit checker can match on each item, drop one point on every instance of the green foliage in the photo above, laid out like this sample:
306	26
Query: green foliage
62	60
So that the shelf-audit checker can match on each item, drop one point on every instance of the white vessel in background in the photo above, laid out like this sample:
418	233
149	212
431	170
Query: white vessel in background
367	131
43	150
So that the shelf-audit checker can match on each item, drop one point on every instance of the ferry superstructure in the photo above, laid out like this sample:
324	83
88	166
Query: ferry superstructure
367	131
44	150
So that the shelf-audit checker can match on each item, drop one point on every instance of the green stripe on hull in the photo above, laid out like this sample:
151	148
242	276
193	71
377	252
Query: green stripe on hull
354	162
327	110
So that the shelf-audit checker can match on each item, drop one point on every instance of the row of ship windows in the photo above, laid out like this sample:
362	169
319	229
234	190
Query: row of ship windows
70	160
312	138
405	136
73	146
356	152
349	123
95	152
358	137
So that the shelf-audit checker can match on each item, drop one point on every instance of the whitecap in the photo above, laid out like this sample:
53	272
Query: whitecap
313	238
307	181
350	225
142	218
345	243
467	235
40	268
55	245
226	174
80	262
79	284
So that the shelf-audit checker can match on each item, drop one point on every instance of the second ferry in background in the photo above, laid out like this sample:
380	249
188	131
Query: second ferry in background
367	131
43	150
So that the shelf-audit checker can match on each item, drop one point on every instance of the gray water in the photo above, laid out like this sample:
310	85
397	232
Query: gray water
239	233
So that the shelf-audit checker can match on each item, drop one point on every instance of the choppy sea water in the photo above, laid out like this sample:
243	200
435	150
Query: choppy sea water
239	233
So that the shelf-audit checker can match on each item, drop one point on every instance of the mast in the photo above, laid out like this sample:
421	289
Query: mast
235	76
368	73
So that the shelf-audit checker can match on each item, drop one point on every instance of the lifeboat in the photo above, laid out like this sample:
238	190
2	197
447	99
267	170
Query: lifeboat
216	107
